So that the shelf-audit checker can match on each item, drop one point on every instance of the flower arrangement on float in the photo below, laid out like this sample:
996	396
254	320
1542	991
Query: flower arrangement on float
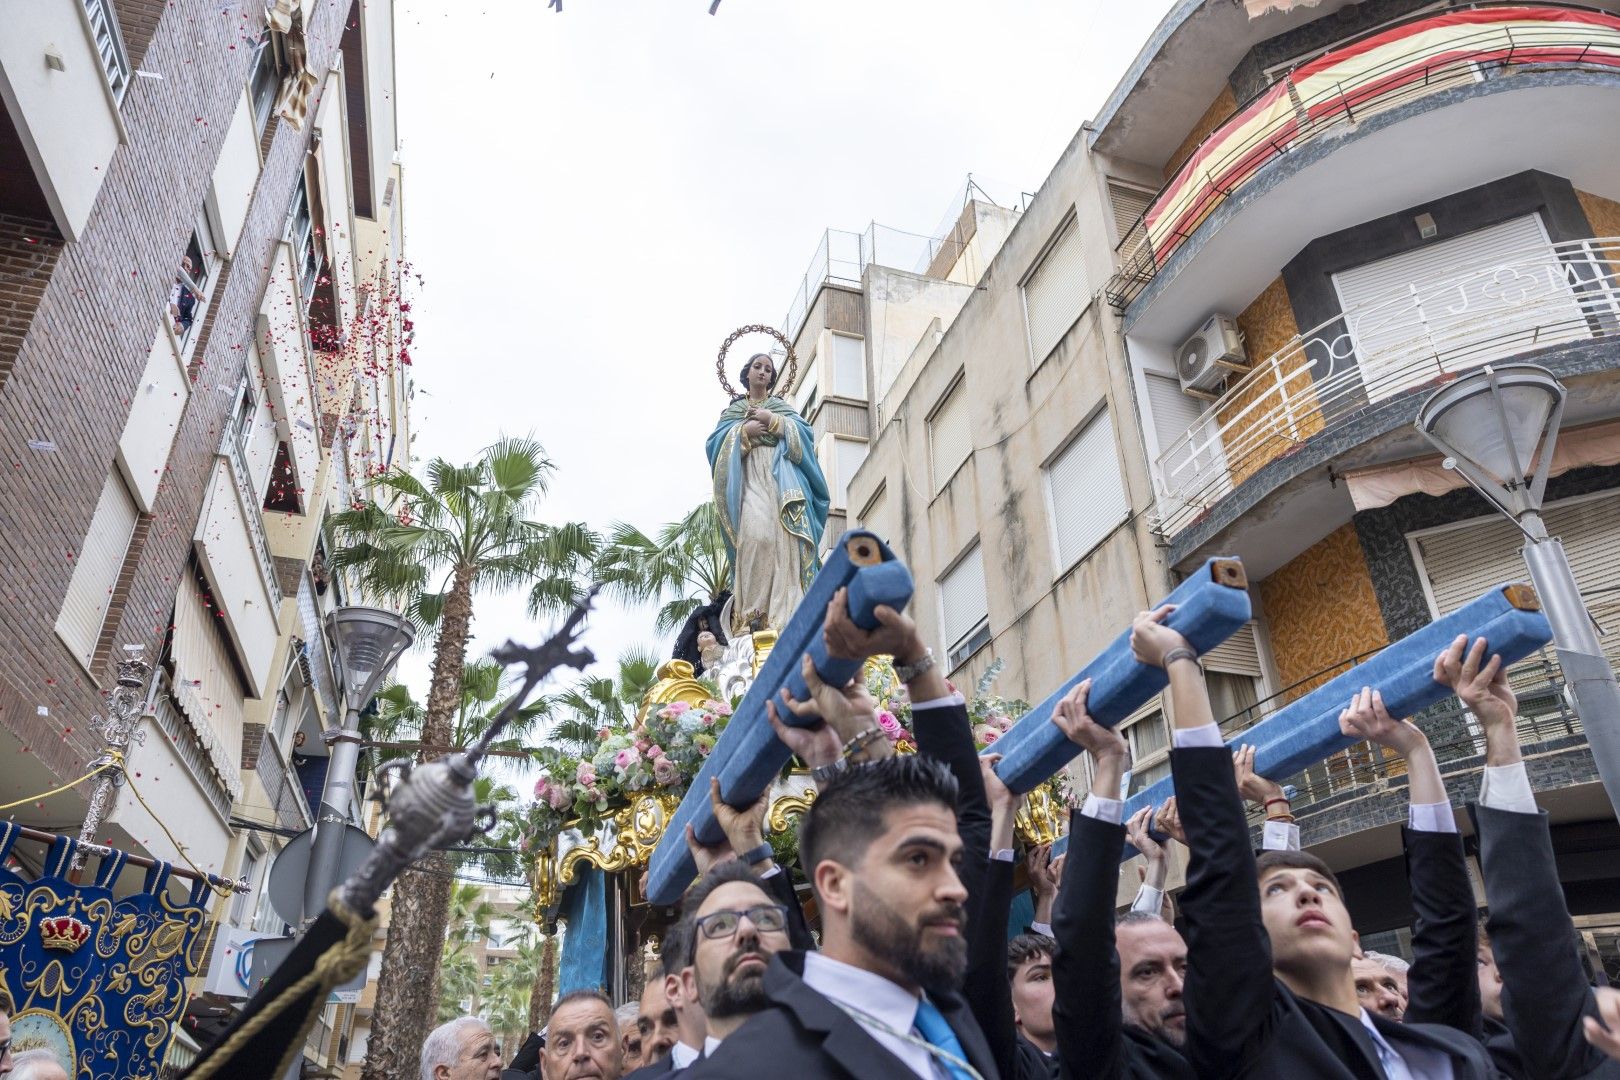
661	754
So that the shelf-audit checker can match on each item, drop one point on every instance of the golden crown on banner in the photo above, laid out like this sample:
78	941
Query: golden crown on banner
64	933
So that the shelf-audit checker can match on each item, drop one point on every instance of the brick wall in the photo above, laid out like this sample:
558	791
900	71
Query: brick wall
29	249
75	372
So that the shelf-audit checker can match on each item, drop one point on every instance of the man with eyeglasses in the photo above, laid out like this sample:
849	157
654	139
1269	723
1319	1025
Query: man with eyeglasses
736	928
892	866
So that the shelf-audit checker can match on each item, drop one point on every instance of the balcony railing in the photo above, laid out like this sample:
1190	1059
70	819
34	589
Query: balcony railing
199	748
231	447
109	45
1412	336
1381	70
1545	717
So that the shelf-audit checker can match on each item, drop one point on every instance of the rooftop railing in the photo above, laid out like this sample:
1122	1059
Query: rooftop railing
1381	70
1411	336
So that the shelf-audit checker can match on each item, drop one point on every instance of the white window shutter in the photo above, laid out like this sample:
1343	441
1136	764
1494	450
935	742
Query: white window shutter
950	435
849	367
1237	655
96	567
963	598
1462	563
1402	313
1056	292
1087	493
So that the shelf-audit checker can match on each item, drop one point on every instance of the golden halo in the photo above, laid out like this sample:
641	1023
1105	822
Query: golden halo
755	328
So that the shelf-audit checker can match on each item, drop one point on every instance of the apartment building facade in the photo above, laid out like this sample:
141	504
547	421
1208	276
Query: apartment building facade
200	355
1209	333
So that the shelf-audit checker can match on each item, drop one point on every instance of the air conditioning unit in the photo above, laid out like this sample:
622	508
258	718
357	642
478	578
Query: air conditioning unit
1207	357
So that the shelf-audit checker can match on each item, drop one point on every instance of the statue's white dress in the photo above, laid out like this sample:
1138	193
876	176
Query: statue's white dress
767	570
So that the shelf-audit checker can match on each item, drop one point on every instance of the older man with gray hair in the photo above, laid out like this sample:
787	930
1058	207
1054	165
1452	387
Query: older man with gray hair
461	1049
37	1065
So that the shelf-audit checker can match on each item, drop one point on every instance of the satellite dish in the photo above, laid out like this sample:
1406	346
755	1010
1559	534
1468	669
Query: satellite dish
287	873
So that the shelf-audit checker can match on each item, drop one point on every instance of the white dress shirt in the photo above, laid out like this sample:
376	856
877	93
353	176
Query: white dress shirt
1507	787
1416	1063
683	1055
710	1045
872	997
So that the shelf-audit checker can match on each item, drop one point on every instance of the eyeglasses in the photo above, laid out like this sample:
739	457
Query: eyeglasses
723	924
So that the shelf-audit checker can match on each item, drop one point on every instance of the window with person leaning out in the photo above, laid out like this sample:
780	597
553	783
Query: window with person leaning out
1254	970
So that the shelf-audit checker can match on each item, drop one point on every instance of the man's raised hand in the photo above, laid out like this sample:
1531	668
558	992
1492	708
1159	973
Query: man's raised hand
1367	718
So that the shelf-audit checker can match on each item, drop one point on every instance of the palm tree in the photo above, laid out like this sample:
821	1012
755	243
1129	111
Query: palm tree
468	528
458	980
684	568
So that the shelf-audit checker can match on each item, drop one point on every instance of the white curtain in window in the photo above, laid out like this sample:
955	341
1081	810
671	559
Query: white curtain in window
849	367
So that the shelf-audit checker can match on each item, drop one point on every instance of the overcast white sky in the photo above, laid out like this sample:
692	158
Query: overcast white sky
596	198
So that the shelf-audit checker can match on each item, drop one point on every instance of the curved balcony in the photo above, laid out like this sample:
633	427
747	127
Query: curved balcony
1408	338
1331	96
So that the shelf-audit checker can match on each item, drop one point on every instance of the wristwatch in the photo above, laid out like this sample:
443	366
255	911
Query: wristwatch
906	672
757	855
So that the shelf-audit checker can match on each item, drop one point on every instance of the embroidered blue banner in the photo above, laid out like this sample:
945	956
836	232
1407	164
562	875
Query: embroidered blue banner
99	980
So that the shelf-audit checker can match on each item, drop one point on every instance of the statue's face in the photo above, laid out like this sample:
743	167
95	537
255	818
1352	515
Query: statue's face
761	373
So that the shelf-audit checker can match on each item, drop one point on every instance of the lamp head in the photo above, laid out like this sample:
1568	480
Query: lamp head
1498	426
367	642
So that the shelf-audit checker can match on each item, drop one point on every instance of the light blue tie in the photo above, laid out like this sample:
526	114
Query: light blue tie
931	1025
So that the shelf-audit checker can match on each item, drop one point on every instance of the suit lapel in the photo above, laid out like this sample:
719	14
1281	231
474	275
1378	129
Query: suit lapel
843	1040
956	1013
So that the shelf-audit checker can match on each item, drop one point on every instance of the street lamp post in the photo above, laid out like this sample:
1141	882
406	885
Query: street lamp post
367	642
1497	427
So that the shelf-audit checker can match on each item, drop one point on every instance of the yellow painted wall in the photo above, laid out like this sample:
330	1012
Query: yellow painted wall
1221	108
1604	214
1265	433
1321	611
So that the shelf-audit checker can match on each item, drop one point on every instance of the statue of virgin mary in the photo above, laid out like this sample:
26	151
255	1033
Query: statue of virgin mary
771	497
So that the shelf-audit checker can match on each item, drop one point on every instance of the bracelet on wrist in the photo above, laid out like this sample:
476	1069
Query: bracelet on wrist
1181	652
1269	803
757	855
862	740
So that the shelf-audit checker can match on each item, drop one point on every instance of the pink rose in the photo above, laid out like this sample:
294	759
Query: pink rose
586	776
891	727
641	744
559	798
985	734
655	751
678	707
664	771
626	758
719	708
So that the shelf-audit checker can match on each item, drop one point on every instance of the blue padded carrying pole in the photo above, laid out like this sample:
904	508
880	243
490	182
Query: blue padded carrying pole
748	755
1210	607
1306	731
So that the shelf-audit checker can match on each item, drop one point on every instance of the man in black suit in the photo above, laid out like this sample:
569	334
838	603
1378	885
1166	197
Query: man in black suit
1554	1016
879	1000
1269	987
1118	1010
690	1024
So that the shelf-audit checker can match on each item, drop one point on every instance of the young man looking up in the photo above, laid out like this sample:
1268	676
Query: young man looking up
1269	988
